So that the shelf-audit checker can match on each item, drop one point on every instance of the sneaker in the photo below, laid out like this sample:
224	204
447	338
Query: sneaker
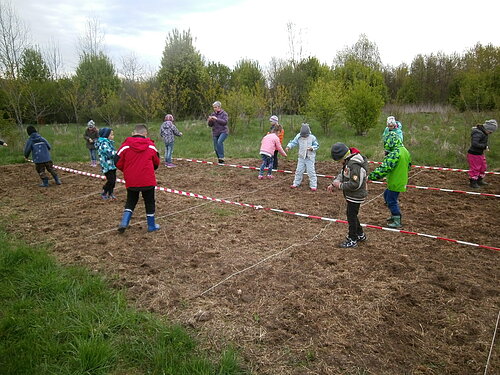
348	243
270	176
112	197
260	177
221	161
361	237
293	187
104	196
171	165
314	189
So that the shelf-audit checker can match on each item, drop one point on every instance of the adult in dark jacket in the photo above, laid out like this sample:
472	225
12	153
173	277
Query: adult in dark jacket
218	122
91	134
138	159
475	154
40	150
352	181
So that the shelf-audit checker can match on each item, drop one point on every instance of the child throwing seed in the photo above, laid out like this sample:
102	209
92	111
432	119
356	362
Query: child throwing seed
270	143
106	150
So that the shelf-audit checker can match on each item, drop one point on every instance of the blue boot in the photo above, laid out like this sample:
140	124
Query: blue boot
127	215
57	180
151	223
45	182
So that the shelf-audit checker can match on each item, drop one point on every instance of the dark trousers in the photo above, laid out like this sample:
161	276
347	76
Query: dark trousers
275	159
109	186
49	166
148	194
391	198
355	228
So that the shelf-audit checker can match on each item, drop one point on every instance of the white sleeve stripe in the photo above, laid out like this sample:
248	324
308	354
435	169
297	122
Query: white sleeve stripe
153	147
122	149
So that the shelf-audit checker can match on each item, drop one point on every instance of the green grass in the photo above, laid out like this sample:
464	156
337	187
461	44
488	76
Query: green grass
436	139
64	320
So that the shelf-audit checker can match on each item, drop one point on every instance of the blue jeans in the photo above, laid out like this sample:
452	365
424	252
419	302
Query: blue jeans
93	154
391	198
169	149
219	145
267	162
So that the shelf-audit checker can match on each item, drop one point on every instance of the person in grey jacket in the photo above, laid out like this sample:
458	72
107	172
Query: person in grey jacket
40	149
168	131
218	122
352	181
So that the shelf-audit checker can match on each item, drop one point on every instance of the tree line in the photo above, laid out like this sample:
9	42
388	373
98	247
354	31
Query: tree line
353	89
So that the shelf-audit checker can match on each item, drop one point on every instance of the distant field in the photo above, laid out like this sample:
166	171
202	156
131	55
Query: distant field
440	139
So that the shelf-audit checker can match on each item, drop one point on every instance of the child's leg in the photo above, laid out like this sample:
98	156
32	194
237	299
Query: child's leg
475	165
392	202
299	172
132	199
169	148
40	169
263	165
483	167
355	229
109	186
311	172
149	201
275	159
270	165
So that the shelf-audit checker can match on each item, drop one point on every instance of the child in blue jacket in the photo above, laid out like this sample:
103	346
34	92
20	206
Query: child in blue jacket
40	149
106	149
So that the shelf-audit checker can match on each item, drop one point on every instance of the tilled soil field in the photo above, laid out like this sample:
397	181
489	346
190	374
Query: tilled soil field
276	285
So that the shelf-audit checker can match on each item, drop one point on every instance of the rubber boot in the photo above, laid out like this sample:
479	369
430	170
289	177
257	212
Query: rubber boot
45	182
57	180
151	223
473	183
481	182
127	215
396	222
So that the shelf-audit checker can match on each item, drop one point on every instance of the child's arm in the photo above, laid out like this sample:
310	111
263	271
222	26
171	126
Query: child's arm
315	144
294	142
389	163
176	131
357	176
278	147
27	148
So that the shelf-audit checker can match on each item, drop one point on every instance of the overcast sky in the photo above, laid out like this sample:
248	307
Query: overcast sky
226	31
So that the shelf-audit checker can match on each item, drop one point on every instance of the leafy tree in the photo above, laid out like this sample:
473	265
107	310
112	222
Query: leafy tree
363	51
354	71
363	105
182	75
242	105
325	102
97	80
247	74
145	100
33	66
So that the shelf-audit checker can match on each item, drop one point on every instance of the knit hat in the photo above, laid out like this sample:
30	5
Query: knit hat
91	124
339	150
274	119
30	130
391	120
104	132
490	125
305	130
169	117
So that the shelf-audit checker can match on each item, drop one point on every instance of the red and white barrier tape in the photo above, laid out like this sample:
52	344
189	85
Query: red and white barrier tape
187	194
437	168
327	176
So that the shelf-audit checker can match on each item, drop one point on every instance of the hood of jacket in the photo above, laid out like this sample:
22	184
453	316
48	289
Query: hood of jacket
139	143
358	159
392	142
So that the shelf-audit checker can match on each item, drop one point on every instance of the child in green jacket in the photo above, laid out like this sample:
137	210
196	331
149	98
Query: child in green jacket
395	167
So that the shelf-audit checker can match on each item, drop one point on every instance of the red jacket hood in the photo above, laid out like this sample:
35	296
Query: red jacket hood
138	143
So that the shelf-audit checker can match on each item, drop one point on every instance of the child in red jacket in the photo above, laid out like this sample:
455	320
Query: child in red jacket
138	159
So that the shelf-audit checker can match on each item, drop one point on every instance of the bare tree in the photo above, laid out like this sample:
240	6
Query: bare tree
92	42
294	43
131	69
13	40
52	56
